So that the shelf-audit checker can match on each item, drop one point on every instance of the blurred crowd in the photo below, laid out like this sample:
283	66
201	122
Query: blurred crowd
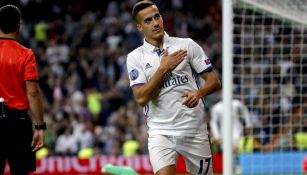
81	48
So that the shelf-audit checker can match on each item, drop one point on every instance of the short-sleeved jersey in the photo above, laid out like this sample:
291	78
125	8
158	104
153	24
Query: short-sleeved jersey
17	65
240	119
165	112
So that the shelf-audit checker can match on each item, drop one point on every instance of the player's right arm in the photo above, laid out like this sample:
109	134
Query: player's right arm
144	92
214	123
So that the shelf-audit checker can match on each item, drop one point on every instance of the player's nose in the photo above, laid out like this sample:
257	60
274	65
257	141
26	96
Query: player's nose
155	22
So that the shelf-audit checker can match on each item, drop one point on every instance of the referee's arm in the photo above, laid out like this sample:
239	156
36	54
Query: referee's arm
36	107
35	100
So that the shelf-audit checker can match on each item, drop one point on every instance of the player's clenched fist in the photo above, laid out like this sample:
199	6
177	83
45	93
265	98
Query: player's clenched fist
191	99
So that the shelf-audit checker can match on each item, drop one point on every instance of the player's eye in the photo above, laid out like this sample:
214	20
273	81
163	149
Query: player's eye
147	21
157	16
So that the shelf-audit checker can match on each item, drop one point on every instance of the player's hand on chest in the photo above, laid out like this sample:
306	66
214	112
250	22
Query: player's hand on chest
174	59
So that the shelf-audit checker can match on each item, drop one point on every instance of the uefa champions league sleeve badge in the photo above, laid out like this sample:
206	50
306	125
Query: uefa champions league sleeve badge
134	74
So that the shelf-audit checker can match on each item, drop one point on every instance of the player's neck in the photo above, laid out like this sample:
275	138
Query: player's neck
155	42
12	35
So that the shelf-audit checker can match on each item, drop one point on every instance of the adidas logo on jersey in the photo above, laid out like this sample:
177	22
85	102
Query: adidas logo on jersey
148	66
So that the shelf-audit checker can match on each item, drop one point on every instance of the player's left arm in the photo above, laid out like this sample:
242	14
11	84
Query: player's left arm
201	64
34	96
213	84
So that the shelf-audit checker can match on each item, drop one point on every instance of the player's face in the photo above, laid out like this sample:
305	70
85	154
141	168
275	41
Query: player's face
150	22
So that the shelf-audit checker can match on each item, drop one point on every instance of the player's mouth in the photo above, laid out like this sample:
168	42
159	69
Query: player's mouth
157	30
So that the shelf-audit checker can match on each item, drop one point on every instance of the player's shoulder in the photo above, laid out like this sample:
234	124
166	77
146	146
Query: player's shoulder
185	42
180	40
136	53
237	103
21	49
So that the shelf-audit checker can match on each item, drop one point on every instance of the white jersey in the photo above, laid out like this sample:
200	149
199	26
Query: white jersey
239	115
165	112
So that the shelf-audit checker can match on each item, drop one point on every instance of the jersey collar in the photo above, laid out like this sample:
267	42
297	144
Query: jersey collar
7	38
151	48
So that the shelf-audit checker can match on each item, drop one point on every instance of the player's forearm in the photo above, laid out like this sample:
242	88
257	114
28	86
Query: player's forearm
212	85
36	106
144	93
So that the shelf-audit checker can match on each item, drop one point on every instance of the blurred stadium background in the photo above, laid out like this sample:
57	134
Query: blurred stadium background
92	118
269	77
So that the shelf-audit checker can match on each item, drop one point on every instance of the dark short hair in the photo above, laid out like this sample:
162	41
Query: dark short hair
140	6
10	17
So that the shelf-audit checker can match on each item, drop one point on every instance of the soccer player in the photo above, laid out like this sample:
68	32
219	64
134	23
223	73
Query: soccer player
240	121
161	73
19	92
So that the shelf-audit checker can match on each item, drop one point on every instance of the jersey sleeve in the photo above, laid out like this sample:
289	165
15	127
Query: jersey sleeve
214	123
136	73
246	114
198	59
30	68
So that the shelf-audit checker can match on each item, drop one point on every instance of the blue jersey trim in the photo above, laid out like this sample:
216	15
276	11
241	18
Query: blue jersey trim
209	69
138	84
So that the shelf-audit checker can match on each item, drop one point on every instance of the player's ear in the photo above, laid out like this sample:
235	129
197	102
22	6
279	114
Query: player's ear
18	27
139	27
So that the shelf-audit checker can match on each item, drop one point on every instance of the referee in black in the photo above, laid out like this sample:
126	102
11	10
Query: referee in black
20	135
